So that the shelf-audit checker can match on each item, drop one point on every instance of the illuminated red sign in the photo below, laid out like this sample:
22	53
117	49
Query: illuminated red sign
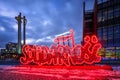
62	54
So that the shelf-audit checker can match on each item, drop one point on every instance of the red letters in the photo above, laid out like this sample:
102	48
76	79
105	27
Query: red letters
63	54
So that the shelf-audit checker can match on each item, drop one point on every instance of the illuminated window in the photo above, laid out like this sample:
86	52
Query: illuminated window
117	53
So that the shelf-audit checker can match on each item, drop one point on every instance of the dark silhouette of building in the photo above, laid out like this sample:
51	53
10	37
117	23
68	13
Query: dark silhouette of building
104	21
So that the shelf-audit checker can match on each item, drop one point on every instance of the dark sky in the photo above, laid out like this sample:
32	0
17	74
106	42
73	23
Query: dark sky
45	19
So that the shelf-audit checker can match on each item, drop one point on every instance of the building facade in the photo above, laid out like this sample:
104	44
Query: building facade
10	51
106	24
88	19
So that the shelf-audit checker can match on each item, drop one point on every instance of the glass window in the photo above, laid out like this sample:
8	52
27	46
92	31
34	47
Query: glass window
110	36
104	31
99	30
110	13
99	1
100	38
116	1
105	0
117	7
110	30
99	19
99	16
117	12
116	35
105	43
104	14
104	37
116	29
117	42
117	55
99	34
110	42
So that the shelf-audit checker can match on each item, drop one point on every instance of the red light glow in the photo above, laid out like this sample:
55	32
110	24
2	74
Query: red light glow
32	72
61	54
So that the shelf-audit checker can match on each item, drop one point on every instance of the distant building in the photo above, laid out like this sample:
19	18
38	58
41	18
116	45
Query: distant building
15	48
11	48
106	24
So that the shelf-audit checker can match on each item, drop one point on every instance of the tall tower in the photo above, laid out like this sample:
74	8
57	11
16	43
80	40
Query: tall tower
83	19
18	18
19	21
24	30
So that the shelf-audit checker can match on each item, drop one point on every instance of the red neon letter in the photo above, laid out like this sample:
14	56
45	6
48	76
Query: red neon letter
63	54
